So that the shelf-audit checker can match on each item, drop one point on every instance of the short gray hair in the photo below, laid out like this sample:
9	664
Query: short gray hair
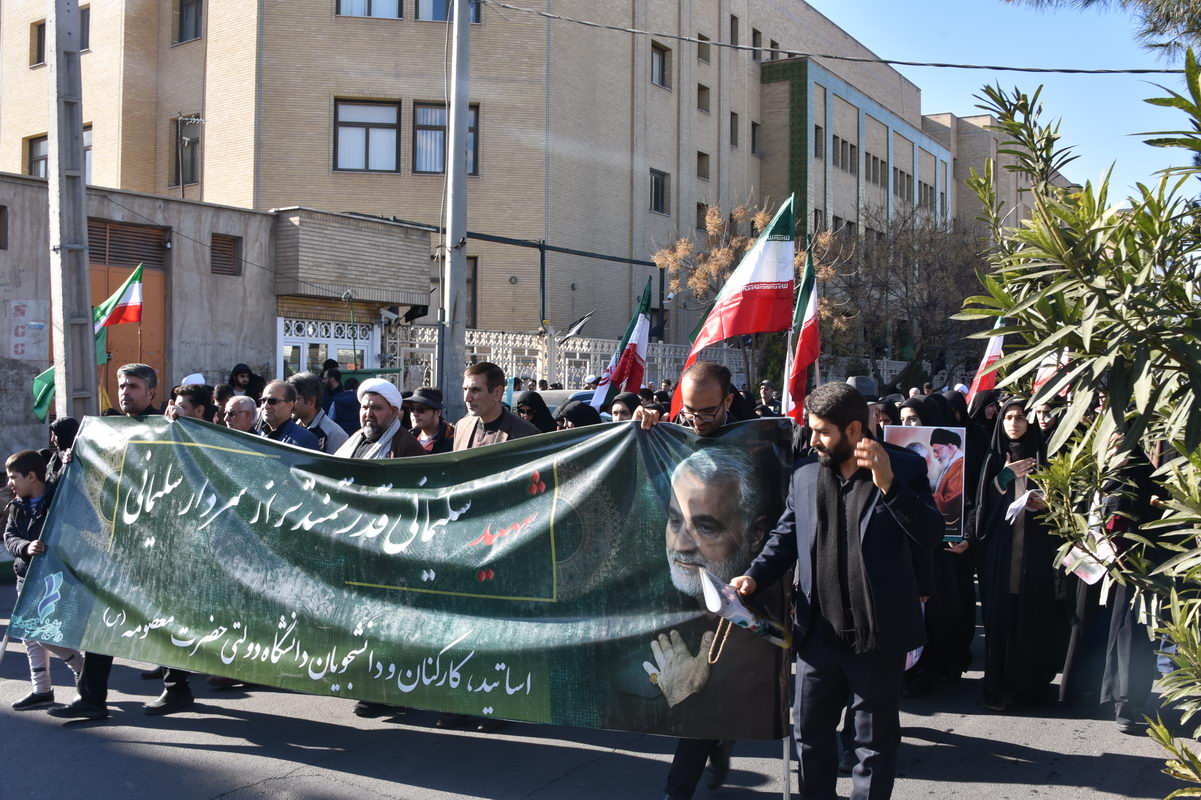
239	400
143	372
723	463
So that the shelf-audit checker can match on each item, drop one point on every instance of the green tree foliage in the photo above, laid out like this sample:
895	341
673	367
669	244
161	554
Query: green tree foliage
1109	291
1168	25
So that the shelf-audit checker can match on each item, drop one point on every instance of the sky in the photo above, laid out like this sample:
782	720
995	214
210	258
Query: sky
1098	112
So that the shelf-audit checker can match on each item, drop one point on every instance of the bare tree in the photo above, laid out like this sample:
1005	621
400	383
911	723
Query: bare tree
891	286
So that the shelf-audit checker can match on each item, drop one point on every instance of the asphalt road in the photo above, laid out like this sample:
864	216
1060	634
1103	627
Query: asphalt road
273	744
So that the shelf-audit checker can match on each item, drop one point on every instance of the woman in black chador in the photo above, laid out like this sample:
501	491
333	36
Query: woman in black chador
1022	617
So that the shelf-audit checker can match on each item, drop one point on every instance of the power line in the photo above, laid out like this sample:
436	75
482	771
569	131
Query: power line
829	56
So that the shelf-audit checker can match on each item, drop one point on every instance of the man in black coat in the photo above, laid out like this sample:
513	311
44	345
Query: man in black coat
854	515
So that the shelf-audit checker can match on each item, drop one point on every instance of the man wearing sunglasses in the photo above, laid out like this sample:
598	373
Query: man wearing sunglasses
279	398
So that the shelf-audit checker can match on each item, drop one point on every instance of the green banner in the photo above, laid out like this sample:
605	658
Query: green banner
550	579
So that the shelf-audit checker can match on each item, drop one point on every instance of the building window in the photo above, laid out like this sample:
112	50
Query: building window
660	65
702	98
853	161
85	28
3	227
733	29
439	10
733	129
775	49
837	153
819	220
702	212
755	138
702	48
391	9
819	142
367	137
187	151
87	154
430	135
942	204
225	255
756	41
39	152
189	20
702	165
37	44
660	192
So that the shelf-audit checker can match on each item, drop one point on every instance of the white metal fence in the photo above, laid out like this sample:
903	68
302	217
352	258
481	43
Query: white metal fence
414	349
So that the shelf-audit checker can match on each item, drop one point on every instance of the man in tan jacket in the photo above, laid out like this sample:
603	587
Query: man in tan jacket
487	421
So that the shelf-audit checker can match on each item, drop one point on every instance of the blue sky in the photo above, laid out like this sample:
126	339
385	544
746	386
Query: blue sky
1098	112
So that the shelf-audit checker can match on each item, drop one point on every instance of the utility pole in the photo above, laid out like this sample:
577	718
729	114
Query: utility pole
452	351
73	337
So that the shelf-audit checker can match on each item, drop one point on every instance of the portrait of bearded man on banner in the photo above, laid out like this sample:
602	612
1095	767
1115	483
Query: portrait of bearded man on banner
719	512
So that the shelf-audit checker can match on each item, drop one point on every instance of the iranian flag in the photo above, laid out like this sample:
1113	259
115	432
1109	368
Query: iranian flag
757	297
986	376
807	333
124	306
1049	367
628	364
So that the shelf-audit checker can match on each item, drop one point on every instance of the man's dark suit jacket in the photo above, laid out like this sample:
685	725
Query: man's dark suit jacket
891	527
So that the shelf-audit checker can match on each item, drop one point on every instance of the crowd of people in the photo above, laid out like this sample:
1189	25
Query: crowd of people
884	605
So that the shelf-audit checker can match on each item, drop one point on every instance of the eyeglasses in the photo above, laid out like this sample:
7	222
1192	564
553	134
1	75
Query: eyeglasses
270	401
703	415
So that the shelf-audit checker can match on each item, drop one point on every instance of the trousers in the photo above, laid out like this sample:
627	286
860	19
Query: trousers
93	679
827	672
39	663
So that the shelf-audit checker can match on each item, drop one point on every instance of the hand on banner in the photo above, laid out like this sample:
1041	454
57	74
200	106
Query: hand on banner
959	547
870	454
647	416
35	548
745	585
676	671
1036	502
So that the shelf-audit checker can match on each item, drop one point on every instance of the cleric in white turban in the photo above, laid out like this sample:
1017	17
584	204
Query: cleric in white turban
381	435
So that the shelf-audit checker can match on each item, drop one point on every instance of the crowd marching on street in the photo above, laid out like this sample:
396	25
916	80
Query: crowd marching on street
863	530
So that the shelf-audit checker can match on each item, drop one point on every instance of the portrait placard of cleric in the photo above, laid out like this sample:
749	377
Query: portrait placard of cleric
721	506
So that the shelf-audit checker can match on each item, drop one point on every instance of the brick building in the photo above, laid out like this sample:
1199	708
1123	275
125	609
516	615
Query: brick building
594	140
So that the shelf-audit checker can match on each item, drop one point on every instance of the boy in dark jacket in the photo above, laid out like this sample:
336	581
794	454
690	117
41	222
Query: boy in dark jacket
26	473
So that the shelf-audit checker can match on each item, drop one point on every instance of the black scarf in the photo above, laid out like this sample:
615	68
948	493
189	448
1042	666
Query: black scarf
844	597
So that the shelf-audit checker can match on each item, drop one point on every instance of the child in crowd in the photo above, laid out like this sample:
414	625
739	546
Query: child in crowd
22	537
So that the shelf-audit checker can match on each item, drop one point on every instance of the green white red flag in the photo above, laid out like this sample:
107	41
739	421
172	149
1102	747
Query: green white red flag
986	375
628	364
757	297
806	332
124	306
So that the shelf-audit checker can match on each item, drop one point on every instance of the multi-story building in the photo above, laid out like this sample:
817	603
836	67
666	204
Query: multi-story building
596	140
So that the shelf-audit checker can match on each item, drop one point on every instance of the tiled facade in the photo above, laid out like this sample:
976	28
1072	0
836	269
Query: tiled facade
570	125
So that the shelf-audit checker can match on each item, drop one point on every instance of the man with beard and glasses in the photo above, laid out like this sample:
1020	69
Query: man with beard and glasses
707	396
855	514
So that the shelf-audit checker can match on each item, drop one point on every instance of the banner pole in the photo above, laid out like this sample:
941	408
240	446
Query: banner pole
786	761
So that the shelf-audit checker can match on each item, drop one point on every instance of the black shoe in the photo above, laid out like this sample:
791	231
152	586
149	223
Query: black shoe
487	725
370	710
153	674
34	700
79	709
719	766
1126	726
169	703
452	721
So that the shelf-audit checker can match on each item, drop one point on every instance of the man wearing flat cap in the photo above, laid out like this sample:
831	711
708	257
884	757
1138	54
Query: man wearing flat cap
434	434
381	435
